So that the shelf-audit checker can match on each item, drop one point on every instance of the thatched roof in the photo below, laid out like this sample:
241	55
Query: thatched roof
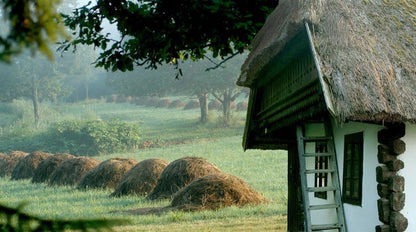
366	51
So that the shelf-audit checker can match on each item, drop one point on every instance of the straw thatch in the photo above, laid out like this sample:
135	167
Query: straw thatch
141	179
193	104
9	161
366	51
179	173
71	171
46	167
177	104
216	191
27	166
107	174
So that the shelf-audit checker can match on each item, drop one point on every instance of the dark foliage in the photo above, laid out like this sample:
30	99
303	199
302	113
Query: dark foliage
13	219
178	29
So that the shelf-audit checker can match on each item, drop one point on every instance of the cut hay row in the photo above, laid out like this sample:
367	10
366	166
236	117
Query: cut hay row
107	174
179	173
192	183
27	166
71	171
46	167
9	161
141	179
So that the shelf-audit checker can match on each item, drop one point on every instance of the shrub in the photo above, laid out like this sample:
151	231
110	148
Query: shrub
93	137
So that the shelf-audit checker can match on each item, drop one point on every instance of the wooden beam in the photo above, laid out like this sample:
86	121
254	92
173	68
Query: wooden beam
383	190
391	133
383	206
385	154
397	201
395	165
383	228
383	174
398	222
396	183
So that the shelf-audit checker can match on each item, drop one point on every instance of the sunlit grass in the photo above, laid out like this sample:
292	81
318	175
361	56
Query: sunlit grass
264	171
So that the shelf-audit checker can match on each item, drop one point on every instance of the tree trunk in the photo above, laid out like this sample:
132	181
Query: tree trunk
226	106
204	107
35	100
86	90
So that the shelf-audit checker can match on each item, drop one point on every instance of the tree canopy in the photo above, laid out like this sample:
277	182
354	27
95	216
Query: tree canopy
153	32
33	24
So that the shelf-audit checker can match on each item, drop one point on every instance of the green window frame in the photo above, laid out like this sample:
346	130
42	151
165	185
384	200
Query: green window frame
352	180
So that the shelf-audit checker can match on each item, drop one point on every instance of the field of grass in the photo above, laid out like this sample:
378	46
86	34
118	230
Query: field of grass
264	171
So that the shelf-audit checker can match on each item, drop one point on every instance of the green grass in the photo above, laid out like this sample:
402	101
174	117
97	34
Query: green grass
265	171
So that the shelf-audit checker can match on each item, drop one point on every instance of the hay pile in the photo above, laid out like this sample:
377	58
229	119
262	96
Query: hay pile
71	171
193	104
163	103
27	166
46	167
141	179
216	191
214	105
177	104
9	161
242	106
152	102
179	173
107	174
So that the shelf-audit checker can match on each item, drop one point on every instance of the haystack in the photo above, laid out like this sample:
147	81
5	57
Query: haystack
46	167
107	174
242	106
214	105
71	171
193	104
177	104
152	102
9	161
179	173
216	191
141	179
27	166
163	103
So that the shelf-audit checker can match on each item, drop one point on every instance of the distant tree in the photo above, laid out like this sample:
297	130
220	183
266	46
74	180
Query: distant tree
196	81
153	32
35	78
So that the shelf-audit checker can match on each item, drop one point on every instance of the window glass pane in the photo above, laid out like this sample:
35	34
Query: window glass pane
356	152
352	178
348	169
347	186
355	193
348	152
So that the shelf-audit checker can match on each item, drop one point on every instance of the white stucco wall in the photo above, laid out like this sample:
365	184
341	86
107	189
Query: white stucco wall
409	173
364	217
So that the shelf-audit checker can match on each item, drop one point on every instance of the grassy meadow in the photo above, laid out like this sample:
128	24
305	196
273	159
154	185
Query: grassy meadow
177	134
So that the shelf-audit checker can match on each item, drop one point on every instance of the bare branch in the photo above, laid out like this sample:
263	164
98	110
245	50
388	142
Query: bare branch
217	65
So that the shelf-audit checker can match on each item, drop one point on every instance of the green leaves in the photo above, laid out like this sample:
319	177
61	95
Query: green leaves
94	137
154	32
33	24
